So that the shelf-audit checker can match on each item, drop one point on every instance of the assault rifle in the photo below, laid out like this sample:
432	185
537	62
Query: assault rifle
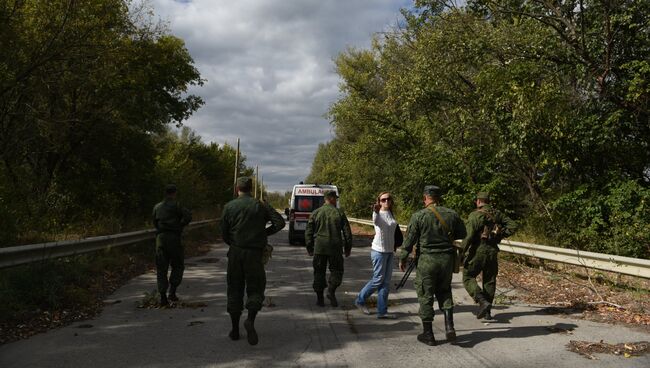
412	263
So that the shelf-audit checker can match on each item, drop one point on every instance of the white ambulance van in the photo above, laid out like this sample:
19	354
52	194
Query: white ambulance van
305	198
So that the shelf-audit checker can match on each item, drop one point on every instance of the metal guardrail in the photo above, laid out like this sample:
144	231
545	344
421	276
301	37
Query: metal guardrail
14	256
605	262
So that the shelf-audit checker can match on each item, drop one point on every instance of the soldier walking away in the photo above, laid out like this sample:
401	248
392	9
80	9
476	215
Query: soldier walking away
327	237
486	227
169	219
243	227
432	231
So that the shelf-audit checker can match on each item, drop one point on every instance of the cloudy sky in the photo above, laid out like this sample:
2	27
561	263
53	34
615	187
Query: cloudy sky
270	72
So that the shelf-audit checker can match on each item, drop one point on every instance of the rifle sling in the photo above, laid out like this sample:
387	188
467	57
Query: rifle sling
445	227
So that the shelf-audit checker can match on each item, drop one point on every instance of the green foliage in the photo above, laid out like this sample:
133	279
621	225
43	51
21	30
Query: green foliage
278	200
202	172
532	101
89	93
617	216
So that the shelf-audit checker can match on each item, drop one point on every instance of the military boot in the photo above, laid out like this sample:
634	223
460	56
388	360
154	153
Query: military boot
426	337
249	325
488	314
449	324
320	300
332	297
163	300
483	307
234	332
172	294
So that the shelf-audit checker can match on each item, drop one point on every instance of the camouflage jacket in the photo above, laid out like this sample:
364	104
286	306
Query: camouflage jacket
328	231
476	222
170	216
425	231
243	222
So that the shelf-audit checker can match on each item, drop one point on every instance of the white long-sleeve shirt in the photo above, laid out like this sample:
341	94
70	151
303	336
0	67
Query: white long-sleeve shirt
385	225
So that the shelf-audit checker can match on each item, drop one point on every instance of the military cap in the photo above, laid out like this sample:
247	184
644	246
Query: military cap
483	195
244	182
170	188
432	190
330	194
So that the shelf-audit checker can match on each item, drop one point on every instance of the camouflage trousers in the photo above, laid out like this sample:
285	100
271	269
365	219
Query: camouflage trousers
485	261
245	274
433	278
320	263
169	252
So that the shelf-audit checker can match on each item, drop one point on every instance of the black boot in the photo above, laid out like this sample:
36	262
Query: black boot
234	332
332	297
483	307
488	314
320	300
426	337
172	294
249	325
449	324
163	300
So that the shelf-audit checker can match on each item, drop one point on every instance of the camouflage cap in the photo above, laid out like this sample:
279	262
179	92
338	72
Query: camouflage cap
483	195
171	188
432	190
244	182
330	194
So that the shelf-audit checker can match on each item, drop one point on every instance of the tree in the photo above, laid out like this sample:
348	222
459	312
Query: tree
84	88
491	97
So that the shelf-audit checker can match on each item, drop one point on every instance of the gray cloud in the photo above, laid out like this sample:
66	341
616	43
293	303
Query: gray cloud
270	72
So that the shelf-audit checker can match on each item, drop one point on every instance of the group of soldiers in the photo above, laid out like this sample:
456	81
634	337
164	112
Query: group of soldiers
328	238
430	237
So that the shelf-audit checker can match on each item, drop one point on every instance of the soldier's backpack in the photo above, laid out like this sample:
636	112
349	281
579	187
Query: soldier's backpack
492	231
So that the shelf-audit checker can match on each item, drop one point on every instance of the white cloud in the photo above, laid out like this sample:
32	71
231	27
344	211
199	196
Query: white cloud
270	72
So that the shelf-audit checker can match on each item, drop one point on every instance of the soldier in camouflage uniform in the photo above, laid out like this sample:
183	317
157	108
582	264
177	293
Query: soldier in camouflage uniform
327	237
169	219
486	227
432	231
243	227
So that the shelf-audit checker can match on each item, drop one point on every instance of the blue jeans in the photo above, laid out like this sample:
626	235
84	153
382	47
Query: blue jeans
382	271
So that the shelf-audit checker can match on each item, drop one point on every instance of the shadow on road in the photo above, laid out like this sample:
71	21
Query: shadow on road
500	313
476	337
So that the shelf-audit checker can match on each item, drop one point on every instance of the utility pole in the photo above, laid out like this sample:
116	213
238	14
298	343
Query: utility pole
262	189
256	182
234	184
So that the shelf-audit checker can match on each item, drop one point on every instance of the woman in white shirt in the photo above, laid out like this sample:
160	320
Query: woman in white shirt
381	254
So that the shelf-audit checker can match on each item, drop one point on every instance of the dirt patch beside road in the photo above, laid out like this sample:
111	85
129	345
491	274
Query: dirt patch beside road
589	294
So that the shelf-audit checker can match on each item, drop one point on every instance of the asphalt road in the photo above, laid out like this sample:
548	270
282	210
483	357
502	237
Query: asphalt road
294	332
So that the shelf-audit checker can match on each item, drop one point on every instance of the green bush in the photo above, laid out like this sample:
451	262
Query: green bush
614	219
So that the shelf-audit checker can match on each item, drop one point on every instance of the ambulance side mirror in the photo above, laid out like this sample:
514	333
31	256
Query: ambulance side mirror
286	212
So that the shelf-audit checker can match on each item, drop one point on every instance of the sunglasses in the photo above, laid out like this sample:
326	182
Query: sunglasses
386	199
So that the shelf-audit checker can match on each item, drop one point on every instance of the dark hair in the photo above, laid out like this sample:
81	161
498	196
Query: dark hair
390	204
170	189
